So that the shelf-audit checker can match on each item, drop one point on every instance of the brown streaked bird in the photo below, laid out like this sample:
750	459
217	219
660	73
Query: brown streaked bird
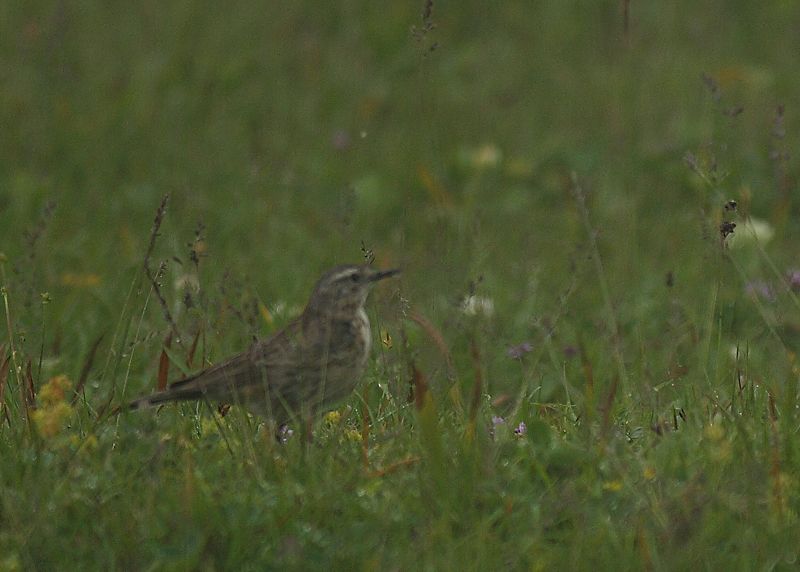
311	364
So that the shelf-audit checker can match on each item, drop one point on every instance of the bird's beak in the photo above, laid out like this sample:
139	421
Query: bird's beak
381	274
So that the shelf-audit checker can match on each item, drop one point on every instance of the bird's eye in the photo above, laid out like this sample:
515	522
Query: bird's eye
355	277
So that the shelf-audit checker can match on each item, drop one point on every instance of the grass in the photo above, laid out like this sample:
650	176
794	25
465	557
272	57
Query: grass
553	185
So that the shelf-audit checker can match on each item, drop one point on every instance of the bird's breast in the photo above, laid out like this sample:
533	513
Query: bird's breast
361	326
345	340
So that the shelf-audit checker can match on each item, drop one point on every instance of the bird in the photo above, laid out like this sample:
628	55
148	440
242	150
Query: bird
310	365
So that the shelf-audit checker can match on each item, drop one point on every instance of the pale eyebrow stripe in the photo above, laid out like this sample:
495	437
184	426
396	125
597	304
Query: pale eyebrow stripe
343	273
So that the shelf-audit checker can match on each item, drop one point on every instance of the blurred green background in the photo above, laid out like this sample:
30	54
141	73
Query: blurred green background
294	133
448	138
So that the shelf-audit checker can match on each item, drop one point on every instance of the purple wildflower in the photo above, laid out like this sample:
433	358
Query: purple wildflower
793	276
761	289
570	351
519	350
496	420
521	429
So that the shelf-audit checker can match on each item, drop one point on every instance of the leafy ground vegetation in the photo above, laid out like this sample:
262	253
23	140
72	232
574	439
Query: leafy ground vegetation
589	361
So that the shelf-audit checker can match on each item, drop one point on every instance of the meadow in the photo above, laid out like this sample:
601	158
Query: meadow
589	361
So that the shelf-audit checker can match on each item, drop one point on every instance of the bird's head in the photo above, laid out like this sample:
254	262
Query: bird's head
345	288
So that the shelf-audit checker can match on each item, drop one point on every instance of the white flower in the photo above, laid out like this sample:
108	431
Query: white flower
486	157
187	282
752	231
474	305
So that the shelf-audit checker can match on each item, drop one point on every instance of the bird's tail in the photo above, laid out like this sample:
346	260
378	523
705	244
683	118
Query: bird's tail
162	397
182	390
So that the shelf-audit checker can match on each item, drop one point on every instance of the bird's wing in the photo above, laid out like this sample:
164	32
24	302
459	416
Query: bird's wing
241	375
213	382
284	369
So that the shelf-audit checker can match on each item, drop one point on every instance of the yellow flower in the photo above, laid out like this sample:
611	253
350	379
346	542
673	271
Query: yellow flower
386	339
50	420
54	390
53	408
87	445
612	486
333	417
353	435
649	473
714	432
